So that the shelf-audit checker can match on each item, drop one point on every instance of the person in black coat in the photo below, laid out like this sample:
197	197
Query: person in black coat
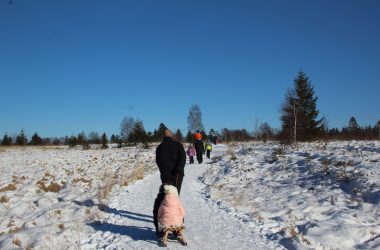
199	147
171	160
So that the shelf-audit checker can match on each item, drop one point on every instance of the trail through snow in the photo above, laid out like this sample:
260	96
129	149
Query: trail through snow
130	224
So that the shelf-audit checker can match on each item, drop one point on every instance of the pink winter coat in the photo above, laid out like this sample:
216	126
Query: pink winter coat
191	151
171	212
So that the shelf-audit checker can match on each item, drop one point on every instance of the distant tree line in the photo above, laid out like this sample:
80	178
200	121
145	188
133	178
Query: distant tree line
300	121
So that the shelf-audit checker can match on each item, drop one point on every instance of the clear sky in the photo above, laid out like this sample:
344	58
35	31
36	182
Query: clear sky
79	65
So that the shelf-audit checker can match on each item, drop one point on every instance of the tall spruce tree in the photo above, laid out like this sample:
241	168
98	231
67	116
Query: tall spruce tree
36	140
299	111
138	134
21	139
179	136
7	140
104	141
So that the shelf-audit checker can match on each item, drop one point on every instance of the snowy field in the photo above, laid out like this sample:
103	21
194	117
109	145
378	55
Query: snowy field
49	195
313	196
249	196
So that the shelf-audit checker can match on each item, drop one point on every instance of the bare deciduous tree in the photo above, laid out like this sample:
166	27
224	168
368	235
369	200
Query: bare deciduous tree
126	127
194	119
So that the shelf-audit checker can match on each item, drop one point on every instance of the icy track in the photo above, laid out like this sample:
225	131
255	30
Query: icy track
130	225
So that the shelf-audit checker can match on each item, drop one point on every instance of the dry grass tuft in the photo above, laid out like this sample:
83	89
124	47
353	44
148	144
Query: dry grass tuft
14	230
47	174
305	240
10	187
17	242
53	187
136	174
3	199
292	231
105	189
61	226
76	180
57	212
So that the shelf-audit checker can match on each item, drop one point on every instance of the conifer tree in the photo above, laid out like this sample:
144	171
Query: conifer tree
104	141
189	137
21	139
36	140
178	135
138	134
82	138
72	141
7	141
299	111
113	139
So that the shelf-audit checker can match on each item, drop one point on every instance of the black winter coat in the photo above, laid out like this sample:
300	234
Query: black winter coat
199	146
171	160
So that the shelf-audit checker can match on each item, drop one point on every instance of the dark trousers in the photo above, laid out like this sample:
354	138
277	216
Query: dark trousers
200	158
191	159
208	153
160	197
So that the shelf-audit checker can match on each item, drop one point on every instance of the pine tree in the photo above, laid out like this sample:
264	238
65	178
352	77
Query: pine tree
353	124
113	139
36	140
299	111
72	141
179	136
353	128
82	138
189	137
138	134
21	139
104	141
7	141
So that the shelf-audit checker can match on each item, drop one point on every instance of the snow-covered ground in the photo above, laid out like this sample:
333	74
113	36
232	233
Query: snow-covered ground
49	195
249	196
314	196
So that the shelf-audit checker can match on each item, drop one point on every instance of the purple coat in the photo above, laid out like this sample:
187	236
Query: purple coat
191	151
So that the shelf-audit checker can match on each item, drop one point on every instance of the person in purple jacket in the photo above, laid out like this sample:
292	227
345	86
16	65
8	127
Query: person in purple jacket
191	153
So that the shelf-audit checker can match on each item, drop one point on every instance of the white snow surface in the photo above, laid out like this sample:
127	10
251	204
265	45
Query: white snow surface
248	196
313	196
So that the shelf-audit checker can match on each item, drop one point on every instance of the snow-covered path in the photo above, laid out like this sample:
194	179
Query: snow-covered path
130	225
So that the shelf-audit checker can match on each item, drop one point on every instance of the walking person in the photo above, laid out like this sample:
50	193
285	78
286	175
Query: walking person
191	153
208	149
199	148
171	160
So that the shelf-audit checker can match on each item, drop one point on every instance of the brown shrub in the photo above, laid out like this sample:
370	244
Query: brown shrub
61	226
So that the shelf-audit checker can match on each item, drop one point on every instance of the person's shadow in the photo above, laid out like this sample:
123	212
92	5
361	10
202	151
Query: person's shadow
135	232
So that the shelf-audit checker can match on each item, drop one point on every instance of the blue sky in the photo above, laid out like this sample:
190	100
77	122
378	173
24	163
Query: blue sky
72	66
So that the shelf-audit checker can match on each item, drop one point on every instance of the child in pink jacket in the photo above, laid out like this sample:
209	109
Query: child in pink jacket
171	211
191	153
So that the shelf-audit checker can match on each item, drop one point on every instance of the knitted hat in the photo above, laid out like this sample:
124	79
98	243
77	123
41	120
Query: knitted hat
169	189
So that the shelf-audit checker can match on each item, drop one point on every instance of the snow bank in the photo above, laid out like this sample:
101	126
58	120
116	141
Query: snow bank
313	196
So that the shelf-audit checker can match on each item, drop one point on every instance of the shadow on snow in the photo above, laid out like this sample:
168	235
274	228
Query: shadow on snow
134	232
107	209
